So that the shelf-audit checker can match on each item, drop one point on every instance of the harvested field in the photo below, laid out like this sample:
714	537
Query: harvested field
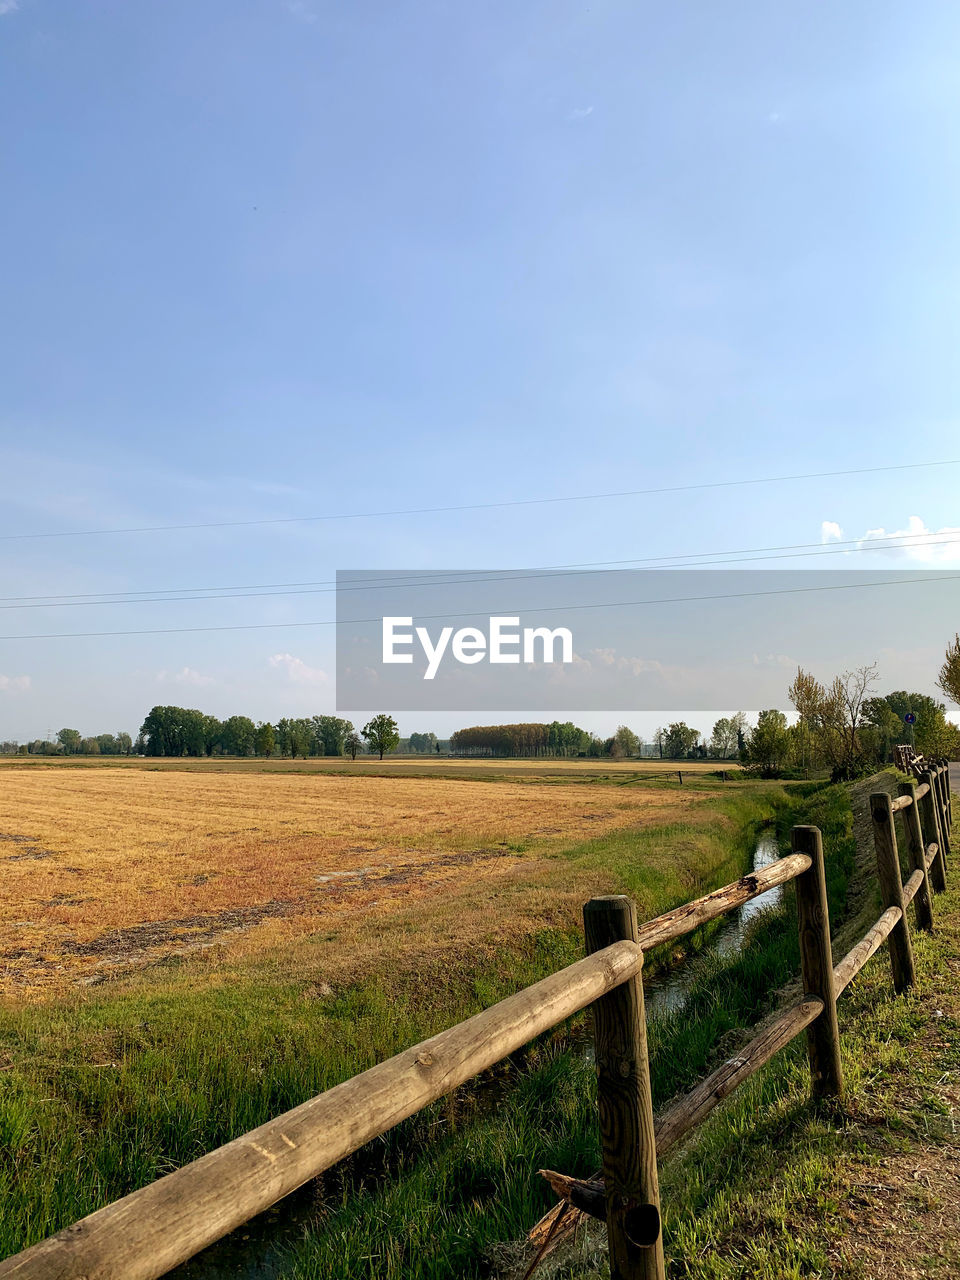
105	868
538	770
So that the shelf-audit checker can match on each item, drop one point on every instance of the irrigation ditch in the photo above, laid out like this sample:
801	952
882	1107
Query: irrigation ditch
262	1249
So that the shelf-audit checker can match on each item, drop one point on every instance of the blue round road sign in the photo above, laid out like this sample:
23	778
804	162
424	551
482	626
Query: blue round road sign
910	718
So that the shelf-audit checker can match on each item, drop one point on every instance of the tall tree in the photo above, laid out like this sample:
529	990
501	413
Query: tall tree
283	736
723	738
301	738
381	734
238	736
680	740
353	743
808	697
329	734
843	720
887	725
739	722
71	741
179	731
949	679
768	747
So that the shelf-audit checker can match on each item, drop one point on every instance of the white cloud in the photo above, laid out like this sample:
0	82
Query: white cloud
186	676
8	6
298	672
916	542
14	684
580	113
920	544
629	665
774	660
621	663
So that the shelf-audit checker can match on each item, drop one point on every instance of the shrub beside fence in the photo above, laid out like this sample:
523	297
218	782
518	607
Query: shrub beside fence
150	1231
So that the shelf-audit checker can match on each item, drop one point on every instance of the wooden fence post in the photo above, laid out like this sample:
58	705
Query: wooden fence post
816	963
948	794
932	833
947	788
944	807
891	890
626	1105
916	852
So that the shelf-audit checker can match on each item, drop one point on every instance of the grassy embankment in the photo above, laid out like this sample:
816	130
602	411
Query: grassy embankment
441	1213
105	1089
865	1190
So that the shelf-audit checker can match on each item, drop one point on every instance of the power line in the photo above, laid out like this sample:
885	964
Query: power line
433	617
475	506
750	555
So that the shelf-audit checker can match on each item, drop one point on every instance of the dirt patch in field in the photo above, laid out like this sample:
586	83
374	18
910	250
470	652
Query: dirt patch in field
902	1218
31	854
120	943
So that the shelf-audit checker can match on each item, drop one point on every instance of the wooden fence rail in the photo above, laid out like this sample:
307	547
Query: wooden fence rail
150	1231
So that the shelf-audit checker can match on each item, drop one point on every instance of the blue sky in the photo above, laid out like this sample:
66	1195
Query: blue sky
265	259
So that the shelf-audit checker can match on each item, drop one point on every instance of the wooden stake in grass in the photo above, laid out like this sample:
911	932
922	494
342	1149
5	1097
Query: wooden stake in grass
626	1106
816	963
916	851
891	890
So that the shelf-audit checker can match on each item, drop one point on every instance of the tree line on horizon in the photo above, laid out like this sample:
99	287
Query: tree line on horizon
844	728
841	726
563	739
185	731
71	742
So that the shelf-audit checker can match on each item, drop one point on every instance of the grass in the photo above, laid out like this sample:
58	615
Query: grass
868	1189
106	1088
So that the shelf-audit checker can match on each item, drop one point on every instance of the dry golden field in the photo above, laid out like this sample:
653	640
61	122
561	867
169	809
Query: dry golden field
107	869
389	767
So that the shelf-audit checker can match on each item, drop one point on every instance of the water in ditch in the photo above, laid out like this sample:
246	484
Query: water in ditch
668	994
255	1250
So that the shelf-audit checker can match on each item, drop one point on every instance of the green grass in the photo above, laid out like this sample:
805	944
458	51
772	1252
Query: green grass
105	1092
442	1211
772	1183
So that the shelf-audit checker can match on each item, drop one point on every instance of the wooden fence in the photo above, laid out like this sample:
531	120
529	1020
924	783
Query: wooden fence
152	1230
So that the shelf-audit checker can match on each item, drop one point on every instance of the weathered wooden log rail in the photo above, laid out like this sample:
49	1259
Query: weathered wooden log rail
147	1233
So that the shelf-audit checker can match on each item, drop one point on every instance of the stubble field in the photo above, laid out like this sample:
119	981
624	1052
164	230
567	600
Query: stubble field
104	870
